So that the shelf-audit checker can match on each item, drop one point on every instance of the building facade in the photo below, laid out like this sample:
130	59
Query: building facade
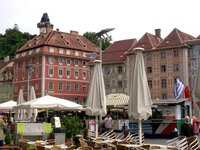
6	77
165	60
114	66
55	63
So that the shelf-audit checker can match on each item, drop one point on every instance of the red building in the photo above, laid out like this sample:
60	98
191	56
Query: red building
55	63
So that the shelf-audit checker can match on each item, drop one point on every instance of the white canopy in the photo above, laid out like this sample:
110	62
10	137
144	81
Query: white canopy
49	102
8	105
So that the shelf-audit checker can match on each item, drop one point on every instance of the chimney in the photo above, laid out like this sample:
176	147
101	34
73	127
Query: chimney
158	33
74	32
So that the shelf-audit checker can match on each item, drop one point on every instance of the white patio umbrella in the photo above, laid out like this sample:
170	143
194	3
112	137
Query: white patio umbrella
139	106
20	114
49	102
8	105
32	111
96	100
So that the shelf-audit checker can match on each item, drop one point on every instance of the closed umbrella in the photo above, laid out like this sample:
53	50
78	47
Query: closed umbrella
96	100
33	112
20	113
140	102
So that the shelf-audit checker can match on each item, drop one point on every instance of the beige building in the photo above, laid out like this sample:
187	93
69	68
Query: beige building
6	77
165	60
114	66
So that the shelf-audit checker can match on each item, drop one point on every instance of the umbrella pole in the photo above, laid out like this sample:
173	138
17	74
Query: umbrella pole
96	121
140	131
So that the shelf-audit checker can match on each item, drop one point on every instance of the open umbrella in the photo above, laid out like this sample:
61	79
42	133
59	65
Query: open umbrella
96	100
8	105
49	102
140	102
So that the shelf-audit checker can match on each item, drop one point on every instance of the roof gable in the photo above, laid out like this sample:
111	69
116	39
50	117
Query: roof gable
60	39
175	39
115	52
148	41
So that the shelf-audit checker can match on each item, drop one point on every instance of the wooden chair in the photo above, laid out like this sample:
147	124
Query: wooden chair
40	147
50	142
155	147
23	144
121	147
193	143
85	148
82	142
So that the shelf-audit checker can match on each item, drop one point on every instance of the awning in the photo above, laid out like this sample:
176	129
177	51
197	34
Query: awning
117	99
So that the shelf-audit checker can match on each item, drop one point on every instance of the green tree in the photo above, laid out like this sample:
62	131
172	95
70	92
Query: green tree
91	37
12	40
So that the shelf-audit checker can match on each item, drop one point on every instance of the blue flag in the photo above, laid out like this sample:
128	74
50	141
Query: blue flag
178	89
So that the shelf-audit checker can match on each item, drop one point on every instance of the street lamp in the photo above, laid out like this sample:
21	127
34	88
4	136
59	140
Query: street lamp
102	35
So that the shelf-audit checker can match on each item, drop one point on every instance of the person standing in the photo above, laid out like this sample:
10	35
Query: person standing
186	128
108	122
2	124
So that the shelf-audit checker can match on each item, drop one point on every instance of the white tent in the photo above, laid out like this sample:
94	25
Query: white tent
49	102
8	105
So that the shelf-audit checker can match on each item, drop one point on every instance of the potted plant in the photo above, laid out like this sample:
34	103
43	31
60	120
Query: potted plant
73	126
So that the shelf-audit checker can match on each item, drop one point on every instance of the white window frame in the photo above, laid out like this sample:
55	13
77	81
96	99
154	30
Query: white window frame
76	87
76	53
51	60
50	85
51	68
60	61
61	51
68	76
60	86
51	49
68	64
84	64
75	63
84	77
68	85
68	52
76	72
60	72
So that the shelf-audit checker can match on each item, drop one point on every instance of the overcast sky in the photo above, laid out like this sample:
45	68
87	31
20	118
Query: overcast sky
130	18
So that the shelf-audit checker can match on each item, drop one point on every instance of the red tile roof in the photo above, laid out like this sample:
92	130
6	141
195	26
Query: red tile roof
175	39
148	41
62	40
116	51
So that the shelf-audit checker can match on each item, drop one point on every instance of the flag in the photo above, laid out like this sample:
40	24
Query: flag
178	89
187	92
